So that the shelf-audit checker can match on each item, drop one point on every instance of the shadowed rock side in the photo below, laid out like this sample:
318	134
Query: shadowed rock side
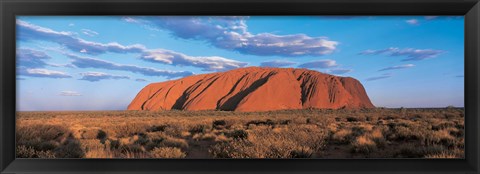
254	89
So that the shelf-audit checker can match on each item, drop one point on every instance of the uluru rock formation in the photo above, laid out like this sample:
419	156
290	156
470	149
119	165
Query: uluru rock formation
254	89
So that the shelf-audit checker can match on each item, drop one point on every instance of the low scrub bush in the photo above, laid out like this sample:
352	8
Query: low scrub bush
167	152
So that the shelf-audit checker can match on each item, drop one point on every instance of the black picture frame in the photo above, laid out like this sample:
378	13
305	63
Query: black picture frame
10	8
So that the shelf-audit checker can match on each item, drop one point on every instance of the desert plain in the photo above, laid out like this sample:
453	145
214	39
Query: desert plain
307	133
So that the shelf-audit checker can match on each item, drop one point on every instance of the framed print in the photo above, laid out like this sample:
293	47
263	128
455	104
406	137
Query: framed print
241	87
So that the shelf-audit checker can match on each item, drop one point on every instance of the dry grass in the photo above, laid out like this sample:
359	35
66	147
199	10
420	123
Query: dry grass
264	142
372	133
167	152
364	144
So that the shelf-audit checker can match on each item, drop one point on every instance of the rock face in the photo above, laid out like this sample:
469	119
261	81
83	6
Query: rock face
254	89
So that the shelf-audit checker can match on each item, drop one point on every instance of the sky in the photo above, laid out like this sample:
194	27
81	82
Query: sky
102	62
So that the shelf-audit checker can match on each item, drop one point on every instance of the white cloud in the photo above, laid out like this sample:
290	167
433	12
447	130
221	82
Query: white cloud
277	63
90	33
412	54
412	22
326	63
36	72
130	19
97	76
31	58
69	93
61	65
430	17
339	71
383	76
397	67
212	63
28	31
141	80
231	33
85	62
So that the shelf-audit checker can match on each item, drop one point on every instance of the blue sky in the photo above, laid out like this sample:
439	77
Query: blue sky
101	63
